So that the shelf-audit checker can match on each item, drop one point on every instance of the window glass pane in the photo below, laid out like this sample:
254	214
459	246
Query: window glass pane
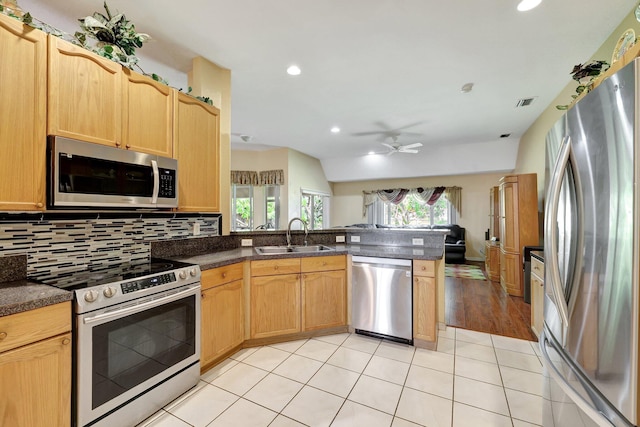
306	204
318	212
243	207
413	212
440	211
272	206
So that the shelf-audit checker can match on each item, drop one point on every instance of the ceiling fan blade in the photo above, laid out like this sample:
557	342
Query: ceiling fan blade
416	145
409	151
391	152
391	147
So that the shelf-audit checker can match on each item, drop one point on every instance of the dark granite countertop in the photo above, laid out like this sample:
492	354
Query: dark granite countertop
538	255
222	258
24	295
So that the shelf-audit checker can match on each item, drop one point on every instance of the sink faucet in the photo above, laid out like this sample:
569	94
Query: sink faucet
306	231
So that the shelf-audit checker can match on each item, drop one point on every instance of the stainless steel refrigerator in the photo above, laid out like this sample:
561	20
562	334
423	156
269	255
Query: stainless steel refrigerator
589	345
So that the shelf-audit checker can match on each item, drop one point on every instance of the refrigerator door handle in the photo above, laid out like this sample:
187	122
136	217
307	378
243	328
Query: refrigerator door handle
555	374
554	197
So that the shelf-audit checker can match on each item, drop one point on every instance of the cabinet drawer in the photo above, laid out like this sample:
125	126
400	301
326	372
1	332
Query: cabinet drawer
221	275
536	281
34	325
424	268
537	267
323	263
275	266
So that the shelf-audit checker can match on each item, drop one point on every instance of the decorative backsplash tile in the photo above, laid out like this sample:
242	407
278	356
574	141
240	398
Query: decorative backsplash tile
55	247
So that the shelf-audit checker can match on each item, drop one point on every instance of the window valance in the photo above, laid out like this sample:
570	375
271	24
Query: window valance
244	177
273	177
428	195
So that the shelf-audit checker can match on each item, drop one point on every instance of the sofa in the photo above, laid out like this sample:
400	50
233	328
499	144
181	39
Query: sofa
455	246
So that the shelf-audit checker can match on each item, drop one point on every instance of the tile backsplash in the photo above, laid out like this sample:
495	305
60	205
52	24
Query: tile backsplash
62	246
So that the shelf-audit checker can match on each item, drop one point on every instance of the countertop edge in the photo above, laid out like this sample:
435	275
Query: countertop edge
23	295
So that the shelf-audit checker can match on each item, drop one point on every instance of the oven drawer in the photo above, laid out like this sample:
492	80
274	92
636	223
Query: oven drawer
30	326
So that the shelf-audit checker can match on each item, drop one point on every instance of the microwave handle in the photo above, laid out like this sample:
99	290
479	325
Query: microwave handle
156	181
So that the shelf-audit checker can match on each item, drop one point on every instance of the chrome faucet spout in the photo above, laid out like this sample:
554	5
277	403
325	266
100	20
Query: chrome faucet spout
306	231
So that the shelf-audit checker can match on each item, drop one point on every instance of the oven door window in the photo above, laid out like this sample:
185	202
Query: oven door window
86	175
132	349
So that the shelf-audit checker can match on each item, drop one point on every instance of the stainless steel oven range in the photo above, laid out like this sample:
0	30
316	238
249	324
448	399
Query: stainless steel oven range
137	339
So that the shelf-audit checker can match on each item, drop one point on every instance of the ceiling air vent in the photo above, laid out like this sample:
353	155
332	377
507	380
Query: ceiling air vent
525	102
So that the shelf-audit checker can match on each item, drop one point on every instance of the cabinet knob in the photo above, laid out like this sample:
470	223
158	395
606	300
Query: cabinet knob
39	205
202	295
276	267
324	263
128	146
66	341
423	268
118	144
3	335
224	275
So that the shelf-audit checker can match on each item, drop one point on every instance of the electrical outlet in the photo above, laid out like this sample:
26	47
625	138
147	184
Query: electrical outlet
246	242
355	239
196	228
340	239
417	241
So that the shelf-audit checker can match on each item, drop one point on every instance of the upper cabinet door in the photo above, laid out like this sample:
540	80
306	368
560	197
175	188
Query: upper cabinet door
84	94
147	114
23	68
197	148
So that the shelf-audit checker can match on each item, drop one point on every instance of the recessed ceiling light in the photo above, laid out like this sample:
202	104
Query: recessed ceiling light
335	129
371	153
525	5
294	70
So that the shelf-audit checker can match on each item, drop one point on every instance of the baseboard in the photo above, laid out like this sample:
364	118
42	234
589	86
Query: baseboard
475	259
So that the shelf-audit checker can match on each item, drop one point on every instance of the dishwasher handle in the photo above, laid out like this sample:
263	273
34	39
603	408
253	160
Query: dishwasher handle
395	262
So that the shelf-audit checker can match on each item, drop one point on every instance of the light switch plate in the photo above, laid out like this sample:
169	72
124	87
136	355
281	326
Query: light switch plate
196	228
246	242
340	239
355	239
417	241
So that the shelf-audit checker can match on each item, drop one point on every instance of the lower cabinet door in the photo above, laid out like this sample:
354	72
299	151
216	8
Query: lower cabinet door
325	299
424	308
222	320
510	271
35	384
275	305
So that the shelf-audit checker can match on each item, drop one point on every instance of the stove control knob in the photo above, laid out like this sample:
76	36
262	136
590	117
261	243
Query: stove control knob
109	291
182	274
91	296
193	272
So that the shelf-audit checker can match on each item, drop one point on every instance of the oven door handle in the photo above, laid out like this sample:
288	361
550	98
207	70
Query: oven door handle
154	302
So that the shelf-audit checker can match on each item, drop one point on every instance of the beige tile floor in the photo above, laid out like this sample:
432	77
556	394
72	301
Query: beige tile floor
474	379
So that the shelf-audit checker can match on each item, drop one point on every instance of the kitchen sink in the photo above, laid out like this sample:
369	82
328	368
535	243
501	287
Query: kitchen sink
279	250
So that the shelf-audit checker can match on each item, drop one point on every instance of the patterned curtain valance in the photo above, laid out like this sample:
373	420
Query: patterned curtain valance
244	177
427	195
274	177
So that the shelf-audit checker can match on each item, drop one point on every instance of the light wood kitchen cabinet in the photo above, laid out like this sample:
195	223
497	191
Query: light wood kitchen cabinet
222	325
518	227
492	260
537	295
424	301
23	120
147	114
494	212
84	94
197	148
324	292
35	367
275	297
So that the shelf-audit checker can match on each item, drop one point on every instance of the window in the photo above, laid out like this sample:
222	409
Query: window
412	212
242	205
314	208
272	206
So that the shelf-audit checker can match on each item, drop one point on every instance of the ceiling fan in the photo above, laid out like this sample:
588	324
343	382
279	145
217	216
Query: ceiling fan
395	147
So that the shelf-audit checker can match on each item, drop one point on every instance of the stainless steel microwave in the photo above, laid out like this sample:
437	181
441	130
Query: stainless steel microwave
85	175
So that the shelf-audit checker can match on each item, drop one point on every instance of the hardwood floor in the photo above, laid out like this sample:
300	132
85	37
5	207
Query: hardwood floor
482	305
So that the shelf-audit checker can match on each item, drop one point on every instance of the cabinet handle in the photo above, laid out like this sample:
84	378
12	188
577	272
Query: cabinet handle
224	275
276	267
202	295
128	146
39	205
3	335
66	341
118	144
423	268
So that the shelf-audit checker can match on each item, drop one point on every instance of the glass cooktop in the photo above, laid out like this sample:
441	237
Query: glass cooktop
105	274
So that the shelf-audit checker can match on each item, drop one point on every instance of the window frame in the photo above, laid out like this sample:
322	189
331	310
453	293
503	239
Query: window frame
326	200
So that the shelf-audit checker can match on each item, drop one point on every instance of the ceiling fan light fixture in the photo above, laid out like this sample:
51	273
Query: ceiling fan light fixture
526	5
294	70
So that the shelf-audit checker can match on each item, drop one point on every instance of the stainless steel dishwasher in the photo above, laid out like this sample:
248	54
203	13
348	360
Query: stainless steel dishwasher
382	296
